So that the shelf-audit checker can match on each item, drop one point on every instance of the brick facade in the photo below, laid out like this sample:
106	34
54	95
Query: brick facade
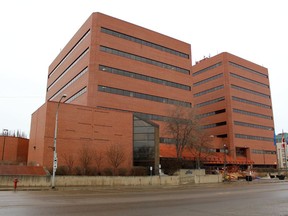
116	66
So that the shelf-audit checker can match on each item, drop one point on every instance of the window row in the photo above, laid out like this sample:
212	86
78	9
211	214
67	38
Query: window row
243	136
143	42
69	53
143	136
242	100
143	141
249	80
144	116
70	83
143	77
258	151
206	69
209	91
143	96
252	114
210	102
208	79
204	115
68	68
144	60
250	91
213	125
76	95
248	69
245	124
167	140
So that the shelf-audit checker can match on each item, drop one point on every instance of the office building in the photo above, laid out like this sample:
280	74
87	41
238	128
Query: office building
119	67
232	96
122	81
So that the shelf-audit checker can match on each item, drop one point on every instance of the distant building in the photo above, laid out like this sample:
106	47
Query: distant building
282	150
13	150
121	80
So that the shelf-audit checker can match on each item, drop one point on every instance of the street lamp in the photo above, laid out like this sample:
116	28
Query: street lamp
54	144
225	161
5	132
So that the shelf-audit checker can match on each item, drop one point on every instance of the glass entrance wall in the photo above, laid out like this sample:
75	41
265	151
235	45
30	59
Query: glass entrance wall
145	143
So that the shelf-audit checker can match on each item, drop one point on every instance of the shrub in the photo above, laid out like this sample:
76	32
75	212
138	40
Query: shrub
122	172
108	172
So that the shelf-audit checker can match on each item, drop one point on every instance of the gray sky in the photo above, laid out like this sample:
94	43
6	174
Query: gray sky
34	31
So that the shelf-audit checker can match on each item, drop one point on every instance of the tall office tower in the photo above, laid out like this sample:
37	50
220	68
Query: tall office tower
113	64
233	99
117	66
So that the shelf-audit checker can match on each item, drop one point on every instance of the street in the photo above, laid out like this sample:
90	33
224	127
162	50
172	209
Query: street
203	200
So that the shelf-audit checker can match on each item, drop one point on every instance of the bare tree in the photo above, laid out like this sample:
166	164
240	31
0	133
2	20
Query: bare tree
201	147
85	158
69	161
115	156
182	126
98	157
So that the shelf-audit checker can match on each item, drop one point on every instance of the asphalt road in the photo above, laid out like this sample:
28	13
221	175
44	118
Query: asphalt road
203	200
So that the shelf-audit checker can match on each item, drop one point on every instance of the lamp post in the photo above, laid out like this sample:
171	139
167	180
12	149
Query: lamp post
54	144
264	160
5	132
225	161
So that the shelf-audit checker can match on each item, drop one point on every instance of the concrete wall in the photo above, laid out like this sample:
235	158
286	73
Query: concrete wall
192	172
76	181
65	181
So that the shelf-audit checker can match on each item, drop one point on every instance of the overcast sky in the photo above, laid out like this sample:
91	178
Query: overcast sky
34	31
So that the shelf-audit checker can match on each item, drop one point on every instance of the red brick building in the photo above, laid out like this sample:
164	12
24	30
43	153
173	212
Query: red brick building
232	96
114	65
113	72
83	131
13	150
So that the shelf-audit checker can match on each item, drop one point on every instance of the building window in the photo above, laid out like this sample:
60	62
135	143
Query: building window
249	80
144	142
70	82
204	115
144	60
248	69
245	124
210	102
69	53
250	91
68	68
262	151
143	96
252	114
76	95
167	140
143	77
143	42
242	100
209	91
207	69
208	80
214	125
145	116
244	136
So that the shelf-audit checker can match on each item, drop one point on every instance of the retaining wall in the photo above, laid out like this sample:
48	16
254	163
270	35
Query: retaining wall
196	177
65	181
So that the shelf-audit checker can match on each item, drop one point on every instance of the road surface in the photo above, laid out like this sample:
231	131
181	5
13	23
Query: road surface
202	200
